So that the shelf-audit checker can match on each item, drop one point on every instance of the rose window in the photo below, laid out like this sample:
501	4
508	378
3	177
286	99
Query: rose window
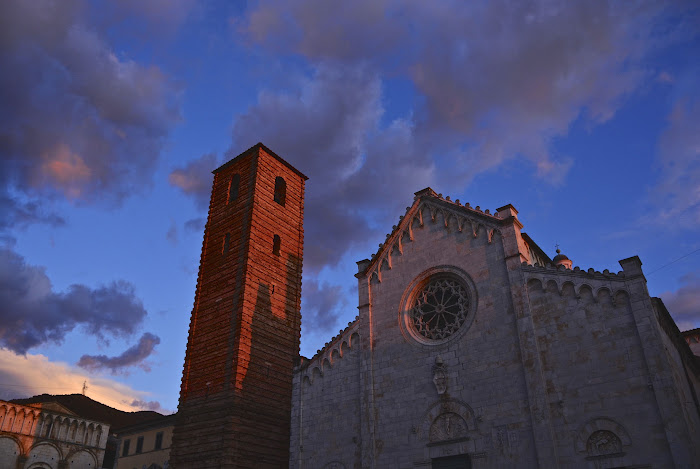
439	309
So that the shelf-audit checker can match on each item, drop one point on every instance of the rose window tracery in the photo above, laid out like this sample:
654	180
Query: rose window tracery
439	309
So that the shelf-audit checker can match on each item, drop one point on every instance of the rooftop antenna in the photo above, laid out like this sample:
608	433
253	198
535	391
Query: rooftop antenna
85	387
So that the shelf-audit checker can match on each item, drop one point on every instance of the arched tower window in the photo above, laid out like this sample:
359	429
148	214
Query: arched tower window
276	245
233	187
280	190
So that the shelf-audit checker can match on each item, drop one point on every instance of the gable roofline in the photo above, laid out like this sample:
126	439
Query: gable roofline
429	195
257	147
535	247
152	424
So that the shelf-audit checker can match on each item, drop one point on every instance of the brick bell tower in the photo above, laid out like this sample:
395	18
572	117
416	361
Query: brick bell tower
235	397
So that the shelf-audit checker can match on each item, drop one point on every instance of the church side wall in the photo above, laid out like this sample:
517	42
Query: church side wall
602	409
685	381
325	429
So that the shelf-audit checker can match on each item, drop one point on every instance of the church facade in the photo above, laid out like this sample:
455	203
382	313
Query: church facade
471	349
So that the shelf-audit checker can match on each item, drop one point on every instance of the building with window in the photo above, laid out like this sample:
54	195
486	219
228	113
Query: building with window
145	445
472	348
49	436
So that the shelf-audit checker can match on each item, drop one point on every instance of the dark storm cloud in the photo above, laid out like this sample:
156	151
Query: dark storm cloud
684	303
322	305
133	356
77	120
195	178
33	314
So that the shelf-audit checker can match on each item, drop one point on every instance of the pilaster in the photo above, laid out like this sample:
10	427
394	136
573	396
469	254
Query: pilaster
660	374
542	431
368	411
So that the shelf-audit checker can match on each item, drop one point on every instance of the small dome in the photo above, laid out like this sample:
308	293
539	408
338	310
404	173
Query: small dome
561	259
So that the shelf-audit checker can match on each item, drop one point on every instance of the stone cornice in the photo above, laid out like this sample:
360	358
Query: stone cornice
463	217
325	357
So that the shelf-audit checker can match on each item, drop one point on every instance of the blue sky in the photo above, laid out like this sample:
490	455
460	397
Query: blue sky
584	115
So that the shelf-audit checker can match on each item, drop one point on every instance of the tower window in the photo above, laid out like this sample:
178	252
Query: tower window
227	240
276	245
233	187
280	190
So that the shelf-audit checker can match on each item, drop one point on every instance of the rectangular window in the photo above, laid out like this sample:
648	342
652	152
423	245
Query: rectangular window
159	440
125	450
139	445
227	241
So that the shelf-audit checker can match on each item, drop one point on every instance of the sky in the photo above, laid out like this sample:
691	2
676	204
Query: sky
583	115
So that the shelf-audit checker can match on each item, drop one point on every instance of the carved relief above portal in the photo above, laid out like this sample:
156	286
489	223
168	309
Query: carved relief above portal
447	426
603	442
602	438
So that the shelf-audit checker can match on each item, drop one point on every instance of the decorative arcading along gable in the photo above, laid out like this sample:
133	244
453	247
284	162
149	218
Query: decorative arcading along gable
428	203
330	353
578	278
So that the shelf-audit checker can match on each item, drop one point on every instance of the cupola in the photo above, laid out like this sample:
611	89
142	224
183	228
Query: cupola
561	259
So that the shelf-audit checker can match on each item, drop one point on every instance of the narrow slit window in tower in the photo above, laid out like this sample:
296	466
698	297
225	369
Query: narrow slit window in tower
276	245
227	240
280	190
233	187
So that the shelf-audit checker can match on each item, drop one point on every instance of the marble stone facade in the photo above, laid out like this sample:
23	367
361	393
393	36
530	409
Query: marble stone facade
48	436
537	366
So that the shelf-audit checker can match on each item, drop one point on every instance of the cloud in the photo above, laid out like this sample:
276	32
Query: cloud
33	313
322	305
28	375
78	120
684	303
195	225
678	190
195	178
492	80
171	234
164	15
155	406
330	128
133	356
18	212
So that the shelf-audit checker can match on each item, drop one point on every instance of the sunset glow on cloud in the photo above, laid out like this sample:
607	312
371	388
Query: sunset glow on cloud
36	374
